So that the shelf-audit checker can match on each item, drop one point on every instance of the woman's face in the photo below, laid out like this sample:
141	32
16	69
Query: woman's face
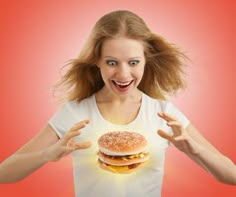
122	65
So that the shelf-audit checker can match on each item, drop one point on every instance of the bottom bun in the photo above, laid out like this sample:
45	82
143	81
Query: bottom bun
119	169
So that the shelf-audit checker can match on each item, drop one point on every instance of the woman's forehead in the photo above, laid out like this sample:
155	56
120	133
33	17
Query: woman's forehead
122	47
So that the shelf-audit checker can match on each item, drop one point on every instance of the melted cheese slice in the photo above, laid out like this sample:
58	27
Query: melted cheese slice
117	169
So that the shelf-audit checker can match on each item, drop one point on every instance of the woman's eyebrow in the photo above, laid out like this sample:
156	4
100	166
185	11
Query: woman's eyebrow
110	57
136	57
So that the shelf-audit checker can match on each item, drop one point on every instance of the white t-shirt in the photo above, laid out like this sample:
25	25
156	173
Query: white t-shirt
90	180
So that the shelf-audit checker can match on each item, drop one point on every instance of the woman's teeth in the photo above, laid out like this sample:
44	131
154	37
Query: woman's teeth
123	84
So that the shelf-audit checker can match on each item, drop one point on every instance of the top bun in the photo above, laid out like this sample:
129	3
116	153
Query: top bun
119	143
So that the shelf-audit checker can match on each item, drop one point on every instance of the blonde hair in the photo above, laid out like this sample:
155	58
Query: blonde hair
163	72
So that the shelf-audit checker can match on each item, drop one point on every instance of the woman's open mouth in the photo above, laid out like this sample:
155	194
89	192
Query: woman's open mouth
122	86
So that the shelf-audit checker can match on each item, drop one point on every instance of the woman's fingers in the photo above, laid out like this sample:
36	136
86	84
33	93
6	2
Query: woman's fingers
76	146
180	137
70	135
176	127
82	145
169	137
74	131
174	124
166	116
164	135
79	125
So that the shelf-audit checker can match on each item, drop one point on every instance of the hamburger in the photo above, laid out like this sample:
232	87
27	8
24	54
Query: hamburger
122	151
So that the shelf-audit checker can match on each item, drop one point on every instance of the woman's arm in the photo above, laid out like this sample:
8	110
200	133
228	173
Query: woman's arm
43	148
193	144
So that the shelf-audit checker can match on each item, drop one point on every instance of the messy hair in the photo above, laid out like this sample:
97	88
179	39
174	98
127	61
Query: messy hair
163	72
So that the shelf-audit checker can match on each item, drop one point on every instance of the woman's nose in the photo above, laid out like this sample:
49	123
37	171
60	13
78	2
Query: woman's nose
123	70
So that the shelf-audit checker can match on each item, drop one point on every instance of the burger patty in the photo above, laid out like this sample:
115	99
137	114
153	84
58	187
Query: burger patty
124	157
131	166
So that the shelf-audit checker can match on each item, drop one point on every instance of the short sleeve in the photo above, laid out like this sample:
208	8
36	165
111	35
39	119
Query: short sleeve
62	120
173	110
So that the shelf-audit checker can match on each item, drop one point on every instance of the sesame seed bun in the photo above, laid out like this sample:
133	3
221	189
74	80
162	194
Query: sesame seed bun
122	143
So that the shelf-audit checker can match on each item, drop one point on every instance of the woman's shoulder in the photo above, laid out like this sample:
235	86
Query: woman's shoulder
157	103
167	106
76	103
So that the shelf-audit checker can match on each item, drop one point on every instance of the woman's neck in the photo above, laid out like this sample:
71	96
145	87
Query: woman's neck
104	96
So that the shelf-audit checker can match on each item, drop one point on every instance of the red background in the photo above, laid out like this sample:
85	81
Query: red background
38	37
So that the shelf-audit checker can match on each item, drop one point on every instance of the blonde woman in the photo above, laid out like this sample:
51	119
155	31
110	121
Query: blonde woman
119	82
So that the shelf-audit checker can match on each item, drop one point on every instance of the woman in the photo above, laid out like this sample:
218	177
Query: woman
119	82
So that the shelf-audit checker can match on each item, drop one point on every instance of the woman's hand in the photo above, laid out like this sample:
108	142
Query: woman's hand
180	138
191	142
67	144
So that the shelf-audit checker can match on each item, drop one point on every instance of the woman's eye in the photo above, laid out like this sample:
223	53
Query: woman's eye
111	62
134	62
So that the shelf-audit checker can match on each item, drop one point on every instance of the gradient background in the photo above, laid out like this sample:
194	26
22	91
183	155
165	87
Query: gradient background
38	37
